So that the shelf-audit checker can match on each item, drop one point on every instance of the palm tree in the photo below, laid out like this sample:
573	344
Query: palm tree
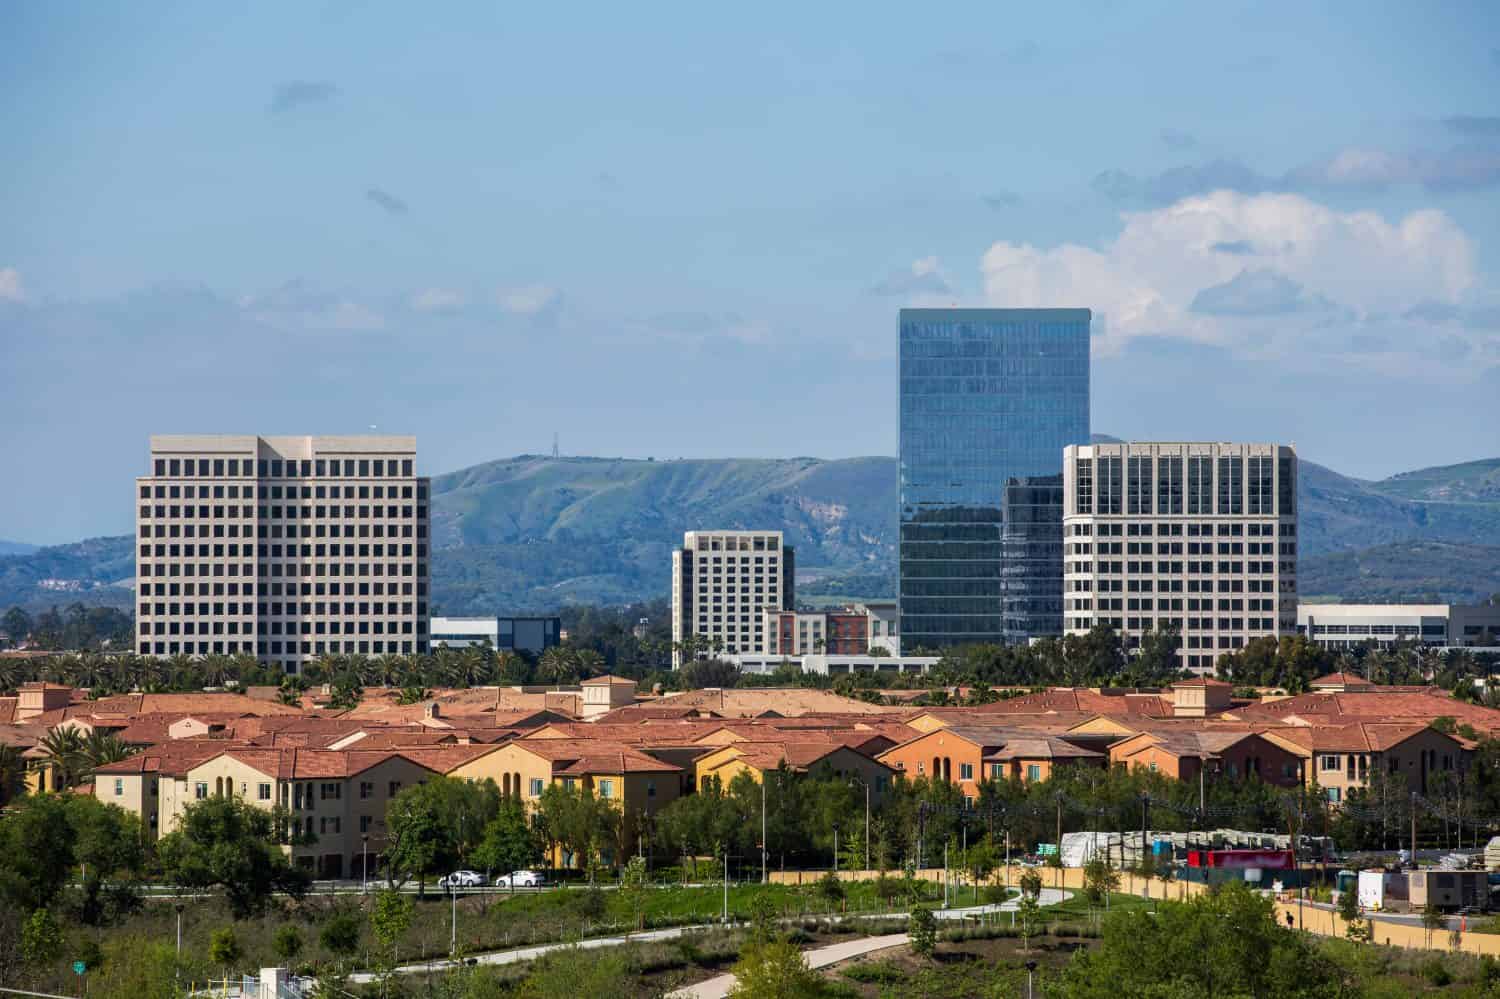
63	748
589	662
557	665
12	773
511	667
98	749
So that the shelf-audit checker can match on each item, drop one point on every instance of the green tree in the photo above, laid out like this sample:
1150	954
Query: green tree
12	774
633	890
1099	880
577	821
390	917
1030	883
1349	912
340	935
106	843
224	948
1028	918
775	970
922	928
230	844
572	972
287	943
63	749
1222	943
1432	920
36	851
41	939
434	825
509	843
831	889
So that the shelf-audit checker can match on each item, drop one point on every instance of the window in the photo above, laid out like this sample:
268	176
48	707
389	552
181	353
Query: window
1334	794
366	788
997	771
1033	772
263	792
394	787
200	790
536	787
650	788
606	788
332	791
1200	486
119	786
1330	762
364	823
966	771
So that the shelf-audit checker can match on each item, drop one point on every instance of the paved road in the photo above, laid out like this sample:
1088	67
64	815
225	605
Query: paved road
1049	896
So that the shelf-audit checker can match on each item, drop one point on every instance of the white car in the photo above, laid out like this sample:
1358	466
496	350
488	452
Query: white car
462	879
520	879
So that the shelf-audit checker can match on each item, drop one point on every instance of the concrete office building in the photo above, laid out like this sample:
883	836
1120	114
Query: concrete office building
285	548
1348	626
722	581
1200	538
518	634
989	398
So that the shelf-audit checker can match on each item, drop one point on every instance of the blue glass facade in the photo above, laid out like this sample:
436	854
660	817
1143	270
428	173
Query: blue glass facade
989	399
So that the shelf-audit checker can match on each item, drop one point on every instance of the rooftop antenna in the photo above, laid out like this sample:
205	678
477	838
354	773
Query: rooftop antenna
554	444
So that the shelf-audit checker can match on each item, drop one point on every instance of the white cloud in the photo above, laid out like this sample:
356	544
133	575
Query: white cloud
437	300
529	300
300	305
11	289
923	278
1302	276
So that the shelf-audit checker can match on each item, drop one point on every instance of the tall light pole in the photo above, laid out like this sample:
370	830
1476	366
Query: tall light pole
453	936
726	888
835	848
866	784
178	907
765	846
364	863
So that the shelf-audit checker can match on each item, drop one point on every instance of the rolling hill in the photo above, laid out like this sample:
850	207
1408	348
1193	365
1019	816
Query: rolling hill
532	533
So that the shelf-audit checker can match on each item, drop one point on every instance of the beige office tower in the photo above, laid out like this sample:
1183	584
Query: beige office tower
721	582
1200	538
286	548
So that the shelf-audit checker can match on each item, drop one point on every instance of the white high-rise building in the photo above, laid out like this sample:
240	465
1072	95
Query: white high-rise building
285	548
722	581
1200	538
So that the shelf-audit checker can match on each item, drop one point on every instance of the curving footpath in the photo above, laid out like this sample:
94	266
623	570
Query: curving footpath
1049	896
821	957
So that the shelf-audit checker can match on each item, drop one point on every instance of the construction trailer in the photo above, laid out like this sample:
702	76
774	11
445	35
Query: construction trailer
1449	889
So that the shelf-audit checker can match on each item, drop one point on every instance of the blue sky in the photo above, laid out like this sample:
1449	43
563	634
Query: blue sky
686	229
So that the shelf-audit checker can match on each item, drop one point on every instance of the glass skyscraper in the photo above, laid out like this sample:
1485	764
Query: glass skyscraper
989	399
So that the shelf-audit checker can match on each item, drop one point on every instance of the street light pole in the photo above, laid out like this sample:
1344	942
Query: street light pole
835	848
453	937
364	863
726	888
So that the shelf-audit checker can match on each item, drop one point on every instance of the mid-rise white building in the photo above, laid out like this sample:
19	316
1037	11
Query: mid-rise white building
1348	626
722	581
285	548
1199	538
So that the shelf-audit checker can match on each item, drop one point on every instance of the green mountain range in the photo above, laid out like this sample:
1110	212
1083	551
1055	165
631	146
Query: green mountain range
532	533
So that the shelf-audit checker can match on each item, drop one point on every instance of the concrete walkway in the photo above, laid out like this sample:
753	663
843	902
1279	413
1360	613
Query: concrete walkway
1049	896
821	957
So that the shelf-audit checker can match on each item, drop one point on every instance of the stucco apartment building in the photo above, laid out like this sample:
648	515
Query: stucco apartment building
285	548
337	798
969	754
1199	538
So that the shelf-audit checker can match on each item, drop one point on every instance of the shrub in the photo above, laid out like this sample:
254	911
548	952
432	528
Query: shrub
1435	970
923	930
875	972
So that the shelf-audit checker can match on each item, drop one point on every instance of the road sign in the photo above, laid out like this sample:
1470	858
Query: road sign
79	967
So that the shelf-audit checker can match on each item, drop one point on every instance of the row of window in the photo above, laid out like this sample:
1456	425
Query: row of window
277	468
1195	530
277	492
